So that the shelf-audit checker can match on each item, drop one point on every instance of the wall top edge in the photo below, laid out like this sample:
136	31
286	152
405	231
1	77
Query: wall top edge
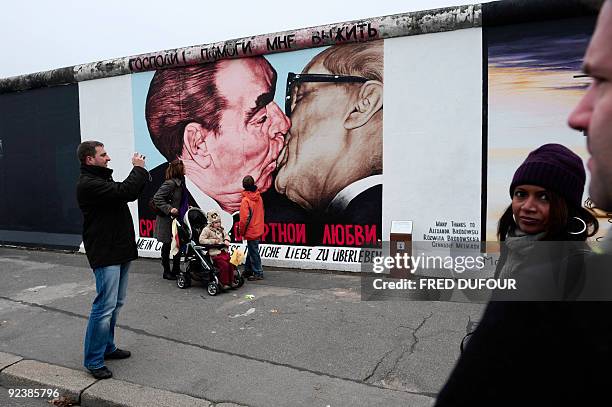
370	29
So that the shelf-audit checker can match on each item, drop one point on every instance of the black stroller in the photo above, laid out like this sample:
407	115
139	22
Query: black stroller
198	264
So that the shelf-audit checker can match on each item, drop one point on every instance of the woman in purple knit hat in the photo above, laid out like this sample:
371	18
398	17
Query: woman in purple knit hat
516	343
546	193
545	224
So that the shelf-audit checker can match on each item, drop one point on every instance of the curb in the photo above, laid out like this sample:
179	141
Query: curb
37	375
83	389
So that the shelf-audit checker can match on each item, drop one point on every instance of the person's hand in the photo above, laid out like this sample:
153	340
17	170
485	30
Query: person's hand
227	243
174	212
138	160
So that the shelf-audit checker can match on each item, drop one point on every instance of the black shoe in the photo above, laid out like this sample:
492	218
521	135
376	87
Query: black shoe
169	276
251	278
101	373
118	354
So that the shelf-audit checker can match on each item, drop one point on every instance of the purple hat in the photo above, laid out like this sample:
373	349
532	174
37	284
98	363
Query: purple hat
554	167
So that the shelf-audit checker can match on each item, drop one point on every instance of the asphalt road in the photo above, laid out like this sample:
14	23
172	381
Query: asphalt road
302	338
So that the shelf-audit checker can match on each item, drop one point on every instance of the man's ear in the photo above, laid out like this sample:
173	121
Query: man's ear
194	145
369	101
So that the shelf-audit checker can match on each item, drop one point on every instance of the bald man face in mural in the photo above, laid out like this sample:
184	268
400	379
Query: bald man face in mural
593	114
336	133
229	126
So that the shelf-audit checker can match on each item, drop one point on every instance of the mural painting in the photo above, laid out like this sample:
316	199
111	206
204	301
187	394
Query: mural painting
307	125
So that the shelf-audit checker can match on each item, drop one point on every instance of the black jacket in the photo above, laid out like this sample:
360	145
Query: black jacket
158	176
108	229
546	353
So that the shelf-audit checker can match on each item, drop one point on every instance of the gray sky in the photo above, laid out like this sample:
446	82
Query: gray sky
39	35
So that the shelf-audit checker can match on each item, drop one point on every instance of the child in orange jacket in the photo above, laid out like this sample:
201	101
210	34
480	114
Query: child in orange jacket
252	226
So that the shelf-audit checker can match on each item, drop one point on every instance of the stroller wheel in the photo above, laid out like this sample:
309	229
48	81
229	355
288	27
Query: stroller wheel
183	281
212	288
238	280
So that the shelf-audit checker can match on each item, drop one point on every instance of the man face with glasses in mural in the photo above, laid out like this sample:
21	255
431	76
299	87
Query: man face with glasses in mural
333	152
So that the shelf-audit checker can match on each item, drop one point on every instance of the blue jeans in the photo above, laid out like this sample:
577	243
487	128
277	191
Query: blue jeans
111	286
253	261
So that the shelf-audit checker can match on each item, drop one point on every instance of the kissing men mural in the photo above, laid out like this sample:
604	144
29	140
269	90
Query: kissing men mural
307	125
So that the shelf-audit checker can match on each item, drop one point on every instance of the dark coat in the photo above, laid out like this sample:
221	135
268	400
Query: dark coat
158	176
108	229
549	272
364	209
543	353
168	196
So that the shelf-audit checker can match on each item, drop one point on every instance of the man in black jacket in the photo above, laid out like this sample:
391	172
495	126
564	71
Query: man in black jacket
110	244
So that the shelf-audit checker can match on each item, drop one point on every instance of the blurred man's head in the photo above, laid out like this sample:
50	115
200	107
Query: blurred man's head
221	121
336	133
593	114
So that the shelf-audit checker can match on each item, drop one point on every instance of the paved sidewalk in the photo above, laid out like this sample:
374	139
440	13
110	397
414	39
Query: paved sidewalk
29	382
295	338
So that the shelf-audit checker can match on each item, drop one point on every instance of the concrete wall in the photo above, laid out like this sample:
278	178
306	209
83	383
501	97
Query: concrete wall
427	118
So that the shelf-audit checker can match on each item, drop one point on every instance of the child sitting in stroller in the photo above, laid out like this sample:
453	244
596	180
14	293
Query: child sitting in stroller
214	233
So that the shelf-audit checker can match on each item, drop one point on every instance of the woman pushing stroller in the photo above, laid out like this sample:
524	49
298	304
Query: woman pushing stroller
171	203
214	233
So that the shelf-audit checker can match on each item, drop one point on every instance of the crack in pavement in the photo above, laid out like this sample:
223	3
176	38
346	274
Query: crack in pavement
368	377
403	348
412	346
219	351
